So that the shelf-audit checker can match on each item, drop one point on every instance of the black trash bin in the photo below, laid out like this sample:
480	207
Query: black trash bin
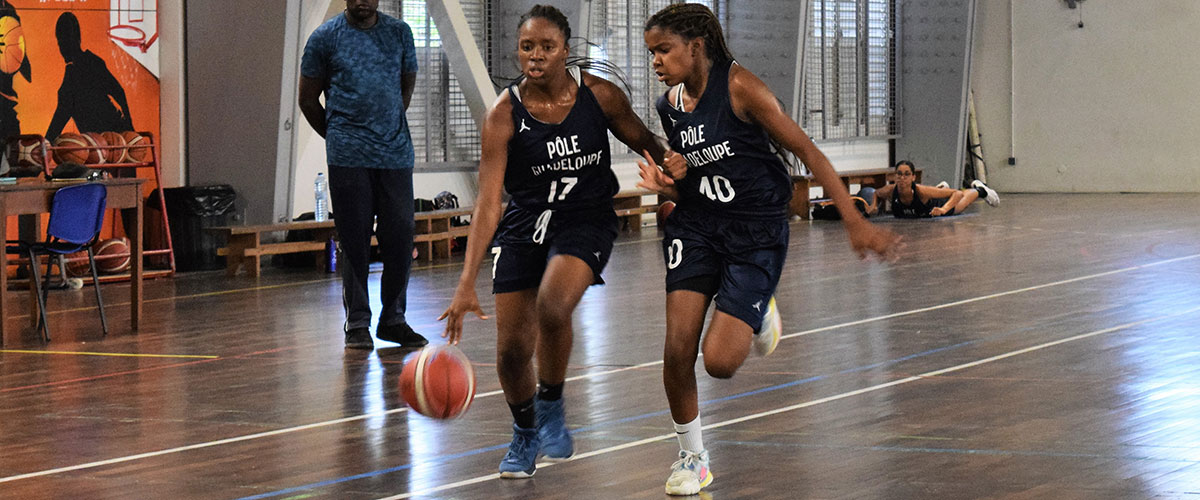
190	209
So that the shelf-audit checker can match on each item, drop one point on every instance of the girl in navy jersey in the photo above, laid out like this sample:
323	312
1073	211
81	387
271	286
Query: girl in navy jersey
728	234
910	200
545	141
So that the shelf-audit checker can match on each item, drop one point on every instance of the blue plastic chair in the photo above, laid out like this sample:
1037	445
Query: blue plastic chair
76	215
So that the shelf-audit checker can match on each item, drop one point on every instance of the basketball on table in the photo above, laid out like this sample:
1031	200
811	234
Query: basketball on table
438	381
96	153
112	255
72	148
663	212
137	147
117	153
28	152
12	45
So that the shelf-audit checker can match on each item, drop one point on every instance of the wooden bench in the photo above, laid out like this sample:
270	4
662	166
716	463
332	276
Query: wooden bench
629	207
244	245
875	178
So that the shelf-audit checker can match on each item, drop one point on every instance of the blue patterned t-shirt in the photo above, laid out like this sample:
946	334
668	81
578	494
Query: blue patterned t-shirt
364	109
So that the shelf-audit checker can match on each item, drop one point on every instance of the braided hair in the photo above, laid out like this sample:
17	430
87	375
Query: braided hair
693	20
552	14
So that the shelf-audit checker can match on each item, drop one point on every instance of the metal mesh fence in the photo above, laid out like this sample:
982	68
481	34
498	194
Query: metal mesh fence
443	131
850	70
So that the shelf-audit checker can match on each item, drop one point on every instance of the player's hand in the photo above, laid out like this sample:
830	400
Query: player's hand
465	301
937	212
866	237
653	178
674	165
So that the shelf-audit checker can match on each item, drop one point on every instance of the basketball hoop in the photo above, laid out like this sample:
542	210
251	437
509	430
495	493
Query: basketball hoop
130	36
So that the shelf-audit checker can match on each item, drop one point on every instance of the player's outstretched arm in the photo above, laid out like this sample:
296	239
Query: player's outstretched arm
497	130
753	101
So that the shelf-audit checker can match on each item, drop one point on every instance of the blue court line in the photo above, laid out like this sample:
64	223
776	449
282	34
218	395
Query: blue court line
446	458
609	423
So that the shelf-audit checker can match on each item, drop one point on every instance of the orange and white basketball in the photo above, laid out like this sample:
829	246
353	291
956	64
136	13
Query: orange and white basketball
28	152
112	255
137	147
118	153
71	148
96	152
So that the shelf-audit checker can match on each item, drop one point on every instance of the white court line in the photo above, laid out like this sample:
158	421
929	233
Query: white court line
343	420
806	404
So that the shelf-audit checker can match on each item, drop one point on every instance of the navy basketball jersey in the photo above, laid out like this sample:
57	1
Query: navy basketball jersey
560	166
914	209
731	169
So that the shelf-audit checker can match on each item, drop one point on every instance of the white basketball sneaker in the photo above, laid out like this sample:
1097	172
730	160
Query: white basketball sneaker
993	198
767	337
942	185
689	474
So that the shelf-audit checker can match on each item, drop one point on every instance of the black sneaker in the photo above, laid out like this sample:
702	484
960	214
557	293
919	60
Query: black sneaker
401	334
359	338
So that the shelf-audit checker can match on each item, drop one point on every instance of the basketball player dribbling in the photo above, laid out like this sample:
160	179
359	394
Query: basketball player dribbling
545	141
728	234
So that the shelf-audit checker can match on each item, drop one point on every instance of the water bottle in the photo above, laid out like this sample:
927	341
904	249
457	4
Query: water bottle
321	192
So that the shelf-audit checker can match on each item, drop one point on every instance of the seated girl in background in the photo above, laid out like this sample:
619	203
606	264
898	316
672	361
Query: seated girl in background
910	200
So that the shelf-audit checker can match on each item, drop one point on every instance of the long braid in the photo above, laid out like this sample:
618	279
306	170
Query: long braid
693	20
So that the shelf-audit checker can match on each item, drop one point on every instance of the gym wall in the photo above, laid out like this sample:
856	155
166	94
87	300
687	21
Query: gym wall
1109	107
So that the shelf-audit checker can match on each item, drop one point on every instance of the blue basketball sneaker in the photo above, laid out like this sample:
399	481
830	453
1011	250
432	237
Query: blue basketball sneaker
552	430
521	460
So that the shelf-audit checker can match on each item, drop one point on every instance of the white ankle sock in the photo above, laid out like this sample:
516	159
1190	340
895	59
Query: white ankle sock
689	435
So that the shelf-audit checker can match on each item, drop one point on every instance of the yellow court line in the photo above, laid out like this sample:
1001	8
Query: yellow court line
114	354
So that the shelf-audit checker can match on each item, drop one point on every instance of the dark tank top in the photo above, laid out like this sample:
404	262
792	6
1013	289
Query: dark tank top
731	169
912	210
562	166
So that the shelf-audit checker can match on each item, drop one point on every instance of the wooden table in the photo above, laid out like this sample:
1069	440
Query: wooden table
34	198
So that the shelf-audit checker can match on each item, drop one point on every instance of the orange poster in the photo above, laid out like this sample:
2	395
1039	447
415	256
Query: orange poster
78	66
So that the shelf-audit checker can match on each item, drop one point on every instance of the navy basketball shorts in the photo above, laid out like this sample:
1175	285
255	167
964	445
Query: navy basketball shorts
738	261
527	239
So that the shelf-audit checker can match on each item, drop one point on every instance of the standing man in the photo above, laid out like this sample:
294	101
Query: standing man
357	59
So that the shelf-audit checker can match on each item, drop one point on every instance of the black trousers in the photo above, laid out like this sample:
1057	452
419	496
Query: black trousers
366	199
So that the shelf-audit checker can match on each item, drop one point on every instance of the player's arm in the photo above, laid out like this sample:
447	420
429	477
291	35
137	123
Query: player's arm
310	103
952	196
881	194
753	101
625	124
497	131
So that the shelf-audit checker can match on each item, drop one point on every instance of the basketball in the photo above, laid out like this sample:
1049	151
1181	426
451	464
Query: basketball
438	381
12	45
118	153
28	152
663	212
138	150
77	264
96	154
112	255
73	148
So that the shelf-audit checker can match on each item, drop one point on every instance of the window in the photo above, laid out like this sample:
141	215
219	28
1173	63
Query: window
443	131
850	70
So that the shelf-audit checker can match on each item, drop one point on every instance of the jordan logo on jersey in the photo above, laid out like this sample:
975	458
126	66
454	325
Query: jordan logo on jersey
524	127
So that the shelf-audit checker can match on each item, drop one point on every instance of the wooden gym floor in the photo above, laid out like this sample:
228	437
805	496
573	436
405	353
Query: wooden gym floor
1047	348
